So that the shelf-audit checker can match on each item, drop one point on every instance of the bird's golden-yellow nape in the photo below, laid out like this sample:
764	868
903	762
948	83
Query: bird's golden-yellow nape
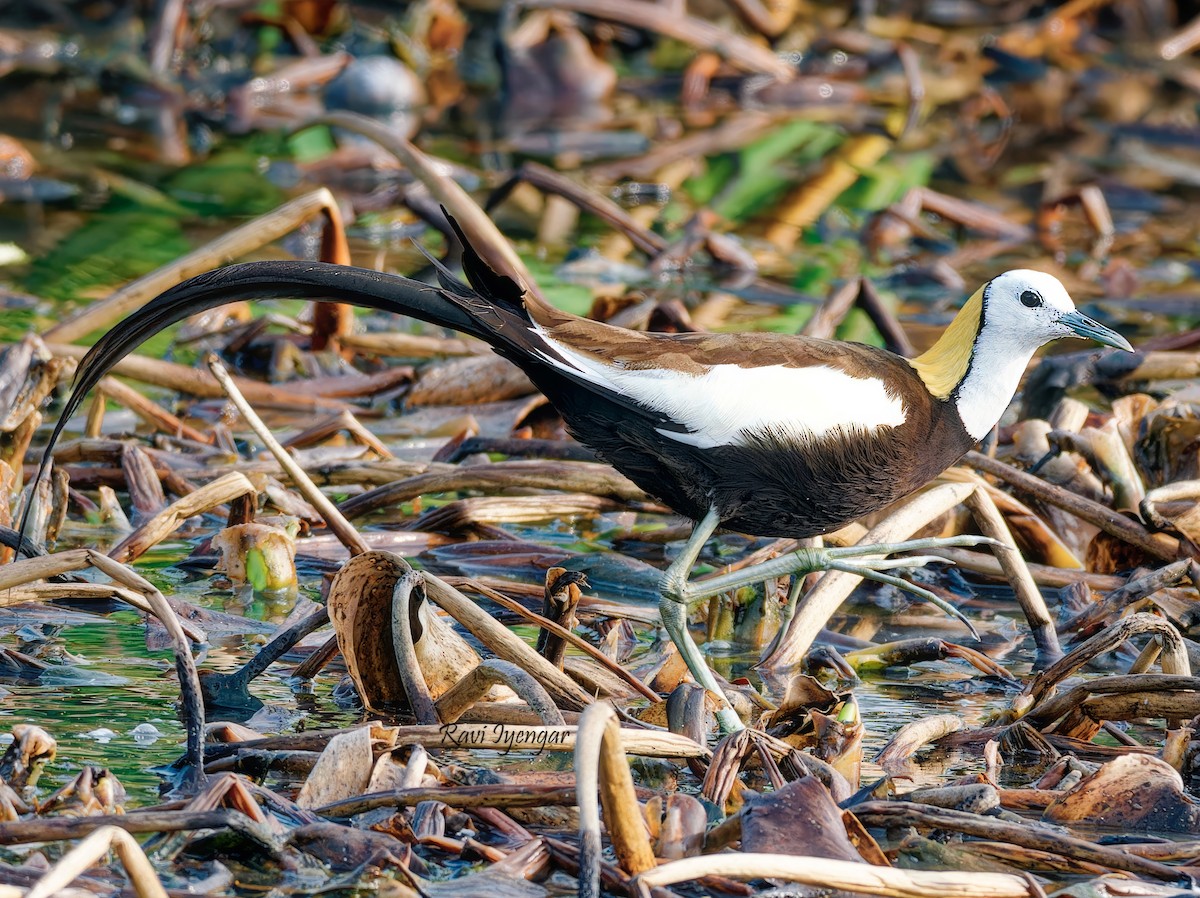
945	364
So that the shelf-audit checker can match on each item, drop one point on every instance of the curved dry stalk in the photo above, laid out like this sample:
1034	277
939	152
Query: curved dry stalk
1123	697
224	489
1023	834
848	876
820	602
486	237
334	519
406	592
196	382
602	774
27	570
80	859
1125	594
896	756
1179	491
467	691
1174	659
565	476
488	795
185	664
473	585
505	644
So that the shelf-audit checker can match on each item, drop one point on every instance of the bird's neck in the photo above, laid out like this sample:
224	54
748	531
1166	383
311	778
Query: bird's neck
990	383
979	377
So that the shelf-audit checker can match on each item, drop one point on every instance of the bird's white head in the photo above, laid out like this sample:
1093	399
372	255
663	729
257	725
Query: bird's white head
1024	309
978	362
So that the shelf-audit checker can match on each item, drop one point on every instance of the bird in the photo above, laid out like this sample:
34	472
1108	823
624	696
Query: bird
765	434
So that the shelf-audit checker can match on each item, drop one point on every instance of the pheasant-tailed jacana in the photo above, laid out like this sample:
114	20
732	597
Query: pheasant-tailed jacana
766	434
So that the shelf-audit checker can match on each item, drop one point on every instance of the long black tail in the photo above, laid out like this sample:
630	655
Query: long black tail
267	280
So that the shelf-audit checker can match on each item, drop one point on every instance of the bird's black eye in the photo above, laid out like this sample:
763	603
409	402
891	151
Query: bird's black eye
1031	298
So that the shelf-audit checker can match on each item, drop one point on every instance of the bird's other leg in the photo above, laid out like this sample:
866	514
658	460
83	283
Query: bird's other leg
867	561
675	591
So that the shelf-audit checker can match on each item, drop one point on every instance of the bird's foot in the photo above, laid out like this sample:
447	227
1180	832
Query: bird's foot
867	561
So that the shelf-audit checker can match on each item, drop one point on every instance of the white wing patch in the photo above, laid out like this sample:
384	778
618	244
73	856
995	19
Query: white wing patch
726	403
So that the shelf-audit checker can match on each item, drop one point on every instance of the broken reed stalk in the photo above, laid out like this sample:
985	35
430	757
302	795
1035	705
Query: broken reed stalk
564	476
405	594
601	769
52	829
1174	656
334	519
565	691
150	412
488	795
889	814
94	848
837	875
1114	523
742	52
185	664
563	633
195	382
645	743
224	489
453	703
1012	562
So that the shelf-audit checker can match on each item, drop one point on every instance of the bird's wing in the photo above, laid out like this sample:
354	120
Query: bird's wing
710	390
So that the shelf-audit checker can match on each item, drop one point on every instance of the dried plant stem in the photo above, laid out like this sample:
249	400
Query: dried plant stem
151	412
223	489
740	51
334	519
472	585
889	814
490	795
602	769
195	382
1111	522
565	691
466	692
645	743
405	594
185	664
80	859
1174	657
846	876
1029	597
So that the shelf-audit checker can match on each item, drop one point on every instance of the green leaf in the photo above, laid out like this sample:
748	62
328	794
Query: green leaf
226	184
310	144
887	181
116	245
766	168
